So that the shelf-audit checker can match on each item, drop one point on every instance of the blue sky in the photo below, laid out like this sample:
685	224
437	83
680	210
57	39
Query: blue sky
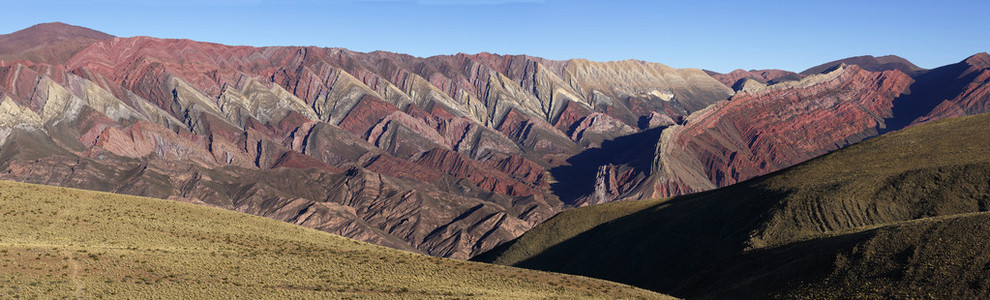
716	35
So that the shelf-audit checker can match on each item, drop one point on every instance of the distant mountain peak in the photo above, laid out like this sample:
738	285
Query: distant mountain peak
55	24
980	60
870	63
59	30
49	43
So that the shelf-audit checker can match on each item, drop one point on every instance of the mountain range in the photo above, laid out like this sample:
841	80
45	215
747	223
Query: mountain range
447	155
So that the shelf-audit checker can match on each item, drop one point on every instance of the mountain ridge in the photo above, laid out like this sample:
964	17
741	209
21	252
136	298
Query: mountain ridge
872	63
446	155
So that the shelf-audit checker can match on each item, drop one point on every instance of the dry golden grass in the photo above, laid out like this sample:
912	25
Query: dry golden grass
59	242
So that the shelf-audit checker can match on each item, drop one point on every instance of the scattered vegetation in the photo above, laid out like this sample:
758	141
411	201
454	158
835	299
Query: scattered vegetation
60	242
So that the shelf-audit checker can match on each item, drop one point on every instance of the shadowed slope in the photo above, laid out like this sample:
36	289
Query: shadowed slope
929	170
592	176
60	242
963	91
940	258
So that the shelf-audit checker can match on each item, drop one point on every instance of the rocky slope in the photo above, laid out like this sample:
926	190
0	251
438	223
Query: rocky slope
762	129
755	132
955	90
444	155
769	236
738	139
769	76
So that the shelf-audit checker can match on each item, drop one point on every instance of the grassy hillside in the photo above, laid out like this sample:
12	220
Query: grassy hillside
59	242
936	169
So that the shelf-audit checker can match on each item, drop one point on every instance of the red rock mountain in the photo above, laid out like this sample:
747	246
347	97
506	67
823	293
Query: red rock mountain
962	89
446	155
739	139
763	130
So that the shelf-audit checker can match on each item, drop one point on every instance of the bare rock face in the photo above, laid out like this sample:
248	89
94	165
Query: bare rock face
734	140
483	176
598	127
655	120
651	83
748	85
769	76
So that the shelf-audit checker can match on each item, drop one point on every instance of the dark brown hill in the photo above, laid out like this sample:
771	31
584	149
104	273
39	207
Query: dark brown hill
48	43
871	63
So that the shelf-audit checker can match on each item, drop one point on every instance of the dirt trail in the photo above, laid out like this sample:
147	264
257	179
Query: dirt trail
74	274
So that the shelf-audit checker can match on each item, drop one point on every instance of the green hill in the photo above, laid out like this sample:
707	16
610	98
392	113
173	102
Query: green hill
60	242
936	169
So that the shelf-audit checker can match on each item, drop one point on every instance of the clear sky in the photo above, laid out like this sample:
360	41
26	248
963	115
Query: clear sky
715	35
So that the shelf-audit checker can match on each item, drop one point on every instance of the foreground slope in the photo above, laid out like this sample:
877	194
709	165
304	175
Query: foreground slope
935	169
60	242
